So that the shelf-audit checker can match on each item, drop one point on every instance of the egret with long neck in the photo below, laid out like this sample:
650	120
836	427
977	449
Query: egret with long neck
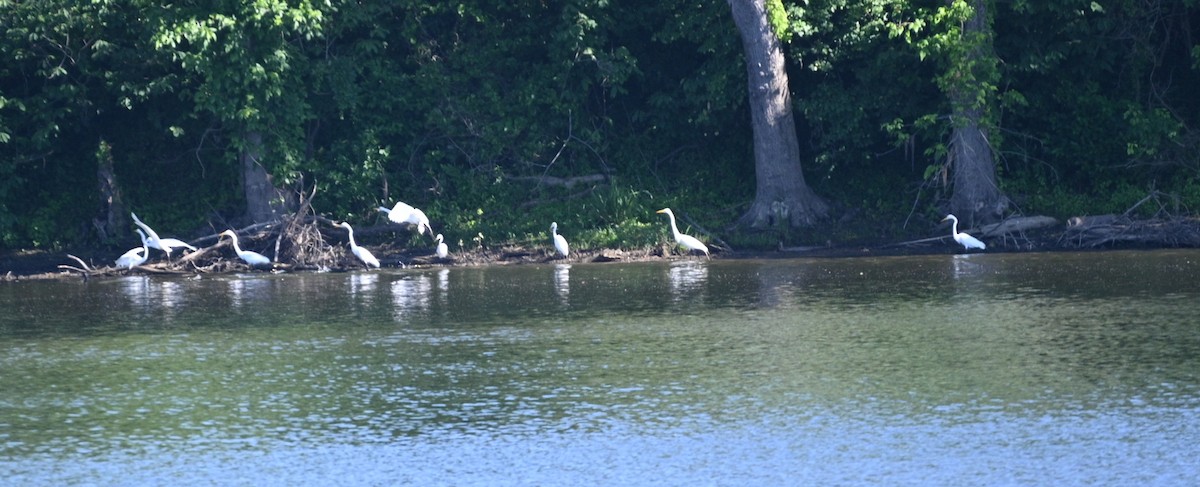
251	257
560	242
361	252
135	256
684	240
968	242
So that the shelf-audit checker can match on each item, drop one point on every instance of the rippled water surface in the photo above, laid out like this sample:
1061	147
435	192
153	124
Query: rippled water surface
945	370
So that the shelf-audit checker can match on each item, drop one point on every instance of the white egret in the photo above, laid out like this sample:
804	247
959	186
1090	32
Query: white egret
686	241
968	242
442	250
255	259
361	252
560	243
402	213
163	244
135	256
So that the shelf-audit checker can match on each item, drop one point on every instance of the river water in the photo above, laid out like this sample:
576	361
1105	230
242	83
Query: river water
1063	369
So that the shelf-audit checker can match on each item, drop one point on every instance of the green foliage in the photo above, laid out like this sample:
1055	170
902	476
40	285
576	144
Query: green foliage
458	107
777	16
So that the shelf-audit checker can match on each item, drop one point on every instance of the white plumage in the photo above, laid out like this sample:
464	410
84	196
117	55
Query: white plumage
442	250
135	256
560	242
967	241
402	213
253	258
361	252
686	241
163	244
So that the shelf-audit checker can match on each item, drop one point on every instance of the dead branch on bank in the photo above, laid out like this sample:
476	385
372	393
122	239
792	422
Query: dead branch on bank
1163	229
300	242
84	269
1013	228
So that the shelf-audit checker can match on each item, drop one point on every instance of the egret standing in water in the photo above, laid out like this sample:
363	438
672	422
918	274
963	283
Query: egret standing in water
402	213
442	250
686	241
560	242
361	252
253	258
163	244
136	256
968	242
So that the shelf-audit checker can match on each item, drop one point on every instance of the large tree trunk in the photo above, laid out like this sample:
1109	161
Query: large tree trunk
264	202
976	197
781	194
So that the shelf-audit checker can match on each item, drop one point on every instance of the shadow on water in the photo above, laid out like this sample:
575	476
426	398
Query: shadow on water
952	369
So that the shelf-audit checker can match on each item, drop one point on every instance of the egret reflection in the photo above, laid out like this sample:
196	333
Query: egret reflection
686	276
443	278
562	281
362	285
247	290
410	293
136	289
966	265
170	294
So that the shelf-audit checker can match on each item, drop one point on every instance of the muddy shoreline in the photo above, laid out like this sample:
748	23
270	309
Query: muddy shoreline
309	246
22	265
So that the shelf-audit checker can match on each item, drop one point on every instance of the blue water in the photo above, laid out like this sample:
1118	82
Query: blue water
1075	369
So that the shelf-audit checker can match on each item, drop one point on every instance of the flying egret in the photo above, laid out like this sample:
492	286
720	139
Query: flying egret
402	213
135	256
560	243
686	241
253	258
361	252
442	250
163	244
968	242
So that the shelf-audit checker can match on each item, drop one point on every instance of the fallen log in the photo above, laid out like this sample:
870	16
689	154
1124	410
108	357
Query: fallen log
1017	225
1104	230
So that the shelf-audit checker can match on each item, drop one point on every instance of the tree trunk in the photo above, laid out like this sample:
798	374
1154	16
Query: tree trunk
264	202
781	195
976	197
111	222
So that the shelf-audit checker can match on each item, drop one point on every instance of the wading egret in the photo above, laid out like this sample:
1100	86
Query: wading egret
136	256
442	250
163	244
253	258
968	242
560	243
404	214
686	241
361	252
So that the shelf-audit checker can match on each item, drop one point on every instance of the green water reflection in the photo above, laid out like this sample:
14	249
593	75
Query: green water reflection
802	352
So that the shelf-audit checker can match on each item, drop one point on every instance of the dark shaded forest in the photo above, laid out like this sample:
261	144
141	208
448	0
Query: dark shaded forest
497	118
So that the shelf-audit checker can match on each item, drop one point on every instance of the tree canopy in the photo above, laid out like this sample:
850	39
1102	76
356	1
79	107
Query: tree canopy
499	117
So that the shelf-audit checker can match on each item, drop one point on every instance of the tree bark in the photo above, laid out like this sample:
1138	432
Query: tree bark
781	196
112	220
976	198
264	201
